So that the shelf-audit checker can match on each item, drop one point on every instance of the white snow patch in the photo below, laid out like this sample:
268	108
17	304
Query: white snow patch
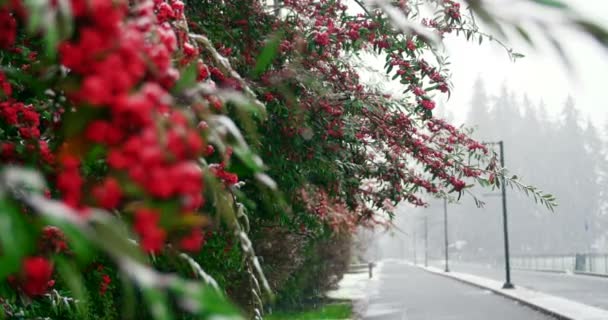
353	286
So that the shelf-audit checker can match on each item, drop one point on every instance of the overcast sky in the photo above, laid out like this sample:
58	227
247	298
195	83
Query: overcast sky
540	74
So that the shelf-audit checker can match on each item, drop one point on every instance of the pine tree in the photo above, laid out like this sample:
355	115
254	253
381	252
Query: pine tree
596	178
572	165
479	114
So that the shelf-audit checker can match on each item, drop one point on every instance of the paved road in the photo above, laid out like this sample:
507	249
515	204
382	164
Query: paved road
585	289
404	292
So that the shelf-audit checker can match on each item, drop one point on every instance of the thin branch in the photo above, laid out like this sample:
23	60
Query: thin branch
358	2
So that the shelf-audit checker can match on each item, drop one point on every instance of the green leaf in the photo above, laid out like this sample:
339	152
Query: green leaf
112	235
74	281
75	122
157	303
551	3
128	298
54	21
216	304
561	52
51	39
524	34
249	158
516	55
187	78
269	52
15	240
204	299
596	31
78	243
35	10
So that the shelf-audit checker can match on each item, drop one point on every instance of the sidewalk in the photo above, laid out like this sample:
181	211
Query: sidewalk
355	286
584	289
555	306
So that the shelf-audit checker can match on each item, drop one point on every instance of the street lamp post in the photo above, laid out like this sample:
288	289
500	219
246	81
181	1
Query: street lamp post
445	232
505	222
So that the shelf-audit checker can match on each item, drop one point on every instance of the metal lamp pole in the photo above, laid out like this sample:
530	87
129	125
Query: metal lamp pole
445	232
505	222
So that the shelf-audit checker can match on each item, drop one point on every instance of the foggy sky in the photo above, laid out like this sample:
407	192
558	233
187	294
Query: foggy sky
541	74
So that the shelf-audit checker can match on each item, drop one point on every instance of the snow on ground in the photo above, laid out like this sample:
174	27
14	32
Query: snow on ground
355	285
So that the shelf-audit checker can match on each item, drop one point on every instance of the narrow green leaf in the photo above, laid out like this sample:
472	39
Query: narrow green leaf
78	243
157	303
524	34
128	298
51	39
596	31
14	240
187	78
111	233
74	281
269	52
35	11
248	158
216	304
75	122
551	3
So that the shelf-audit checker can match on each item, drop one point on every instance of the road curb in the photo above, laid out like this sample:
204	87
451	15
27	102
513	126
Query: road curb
547	303
540	270
591	274
580	273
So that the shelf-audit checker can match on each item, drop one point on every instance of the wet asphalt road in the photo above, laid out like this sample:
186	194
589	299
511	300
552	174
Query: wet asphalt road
404	292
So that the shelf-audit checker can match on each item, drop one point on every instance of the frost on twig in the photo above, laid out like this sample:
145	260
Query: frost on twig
224	65
254	269
198	270
402	23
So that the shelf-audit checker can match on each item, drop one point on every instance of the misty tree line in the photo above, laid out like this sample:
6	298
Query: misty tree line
563	155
